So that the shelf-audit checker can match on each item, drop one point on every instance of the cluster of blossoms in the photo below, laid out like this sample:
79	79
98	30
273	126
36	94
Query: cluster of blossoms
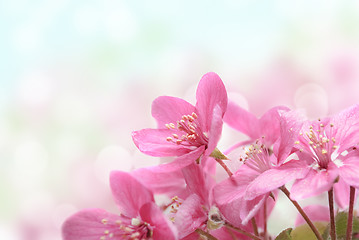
282	147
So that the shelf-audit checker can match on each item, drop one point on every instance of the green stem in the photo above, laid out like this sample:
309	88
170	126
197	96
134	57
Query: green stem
333	234
304	215
350	214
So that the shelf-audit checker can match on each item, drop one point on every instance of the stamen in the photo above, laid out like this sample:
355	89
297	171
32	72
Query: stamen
104	221
193	136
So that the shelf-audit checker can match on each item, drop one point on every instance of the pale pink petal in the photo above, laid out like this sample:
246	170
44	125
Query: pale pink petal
170	110
190	216
341	194
215	130
314	183
169	182
250	208
349	171
275	178
315	213
269	124
270	204
242	120
192	236
90	224
163	229
290	125
196	182
231	209
154	143
234	187
129	194
210	92
346	127
225	233
180	162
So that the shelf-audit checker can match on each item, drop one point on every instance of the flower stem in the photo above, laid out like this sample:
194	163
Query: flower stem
350	214
333	234
265	219
304	215
242	231
205	234
255	227
224	166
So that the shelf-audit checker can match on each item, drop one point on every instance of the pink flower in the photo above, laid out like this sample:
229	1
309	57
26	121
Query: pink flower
140	217
241	196
327	150
198	210
186	131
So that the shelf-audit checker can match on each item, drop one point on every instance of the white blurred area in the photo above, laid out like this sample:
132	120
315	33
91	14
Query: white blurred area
78	76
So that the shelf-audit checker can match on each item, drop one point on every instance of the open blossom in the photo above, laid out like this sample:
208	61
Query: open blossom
241	196
186	131
140	217
328	152
198	210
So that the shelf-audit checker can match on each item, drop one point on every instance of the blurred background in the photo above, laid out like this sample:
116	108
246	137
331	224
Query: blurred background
78	76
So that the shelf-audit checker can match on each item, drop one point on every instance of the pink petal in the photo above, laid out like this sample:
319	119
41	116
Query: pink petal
275	178
314	183
290	125
315	213
180	162
170	182
269	124
153	142
130	195
192	236
242	120
190	216
170	110
349	171
346	127
215	130
231	209
196	181
250	208
90	224
341	194
163	229
210	92
234	187
224	234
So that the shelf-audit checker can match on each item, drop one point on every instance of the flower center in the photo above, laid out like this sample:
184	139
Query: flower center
257	157
127	228
188	131
320	142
